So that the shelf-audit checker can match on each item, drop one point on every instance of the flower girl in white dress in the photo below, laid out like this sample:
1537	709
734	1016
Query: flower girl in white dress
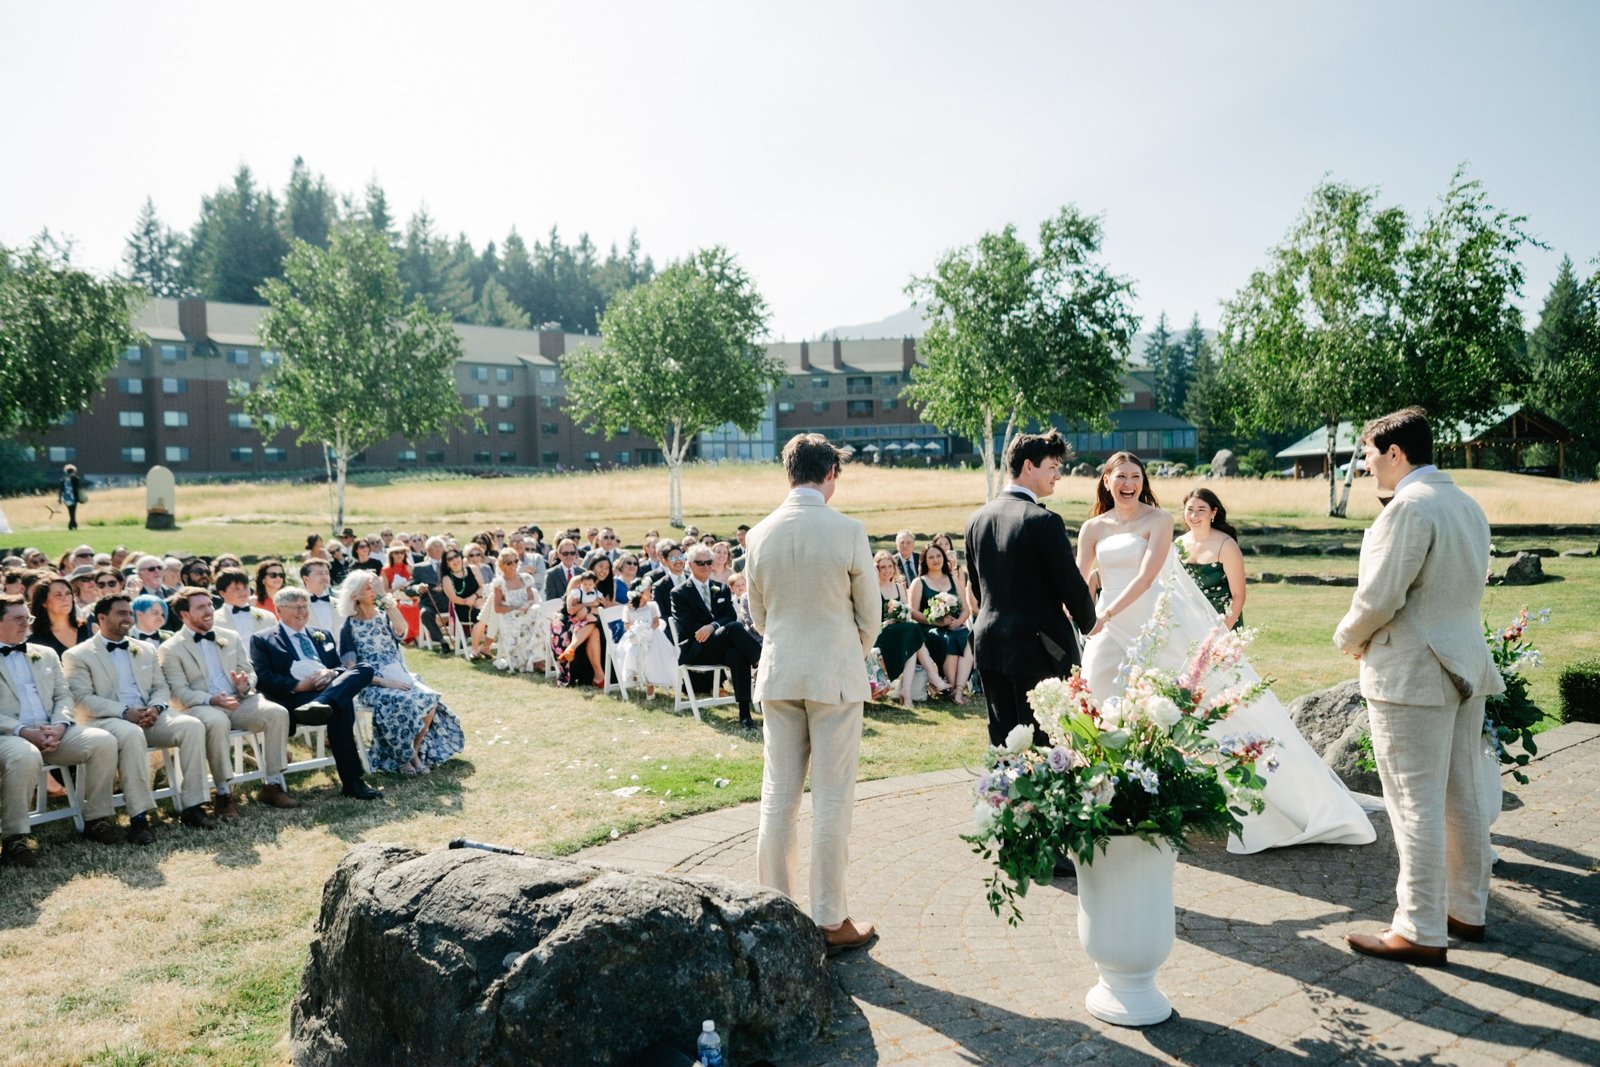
648	654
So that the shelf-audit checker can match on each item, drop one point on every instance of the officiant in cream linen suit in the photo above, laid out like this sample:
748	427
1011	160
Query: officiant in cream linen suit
1416	625
814	596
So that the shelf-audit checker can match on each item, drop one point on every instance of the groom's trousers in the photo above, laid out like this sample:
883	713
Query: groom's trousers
1007	698
1430	759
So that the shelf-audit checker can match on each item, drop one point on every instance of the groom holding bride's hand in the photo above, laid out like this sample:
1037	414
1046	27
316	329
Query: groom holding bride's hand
1416	626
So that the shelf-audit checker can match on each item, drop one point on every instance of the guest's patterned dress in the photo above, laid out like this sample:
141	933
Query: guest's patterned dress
397	714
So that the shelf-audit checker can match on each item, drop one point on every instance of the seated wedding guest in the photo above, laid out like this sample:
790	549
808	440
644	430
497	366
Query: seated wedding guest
347	541
338	563
605	582
738	586
13	581
195	572
608	543
591	540
709	631
673	573
691	533
465	594
650	555
906	558
315	548
945	632
513	616
900	638
529	562
536	541
413	731
72	559
416	543
477	558
270	575
648	655
740	534
314	579
559	575
171	575
627	568
237	612
37	729
386	535
150	619
1210	551
361	558
85	591
209	675
119	556
34	559
427	588
397	574
227	559
721	562
298	667
56	625
575	629
117	686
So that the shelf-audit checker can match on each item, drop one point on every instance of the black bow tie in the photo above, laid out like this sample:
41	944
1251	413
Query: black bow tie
112	646
209	635
240	611
6	650
325	598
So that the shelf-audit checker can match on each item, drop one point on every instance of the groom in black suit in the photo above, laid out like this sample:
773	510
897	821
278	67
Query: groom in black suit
1026	583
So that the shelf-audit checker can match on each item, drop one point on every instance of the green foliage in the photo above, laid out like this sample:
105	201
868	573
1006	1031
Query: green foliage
309	209
155	255
1017	336
494	308
678	355
1511	716
19	475
1171	363
1580	691
61	331
237	243
1564	351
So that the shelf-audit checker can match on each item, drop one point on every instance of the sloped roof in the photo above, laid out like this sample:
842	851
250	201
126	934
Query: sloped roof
1315	443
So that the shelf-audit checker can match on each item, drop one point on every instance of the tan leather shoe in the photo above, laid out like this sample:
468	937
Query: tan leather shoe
1465	931
847	935
225	808
1388	945
273	795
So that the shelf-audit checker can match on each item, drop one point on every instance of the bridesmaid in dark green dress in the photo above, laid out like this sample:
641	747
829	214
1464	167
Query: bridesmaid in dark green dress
900	641
1211	555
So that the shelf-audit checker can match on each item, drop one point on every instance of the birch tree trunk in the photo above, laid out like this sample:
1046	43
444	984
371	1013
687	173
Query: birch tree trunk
1332	460
327	465
674	456
986	450
1349	480
341	457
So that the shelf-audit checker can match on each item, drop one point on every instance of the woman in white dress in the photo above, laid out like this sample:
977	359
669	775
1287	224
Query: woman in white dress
1127	546
647	651
513	618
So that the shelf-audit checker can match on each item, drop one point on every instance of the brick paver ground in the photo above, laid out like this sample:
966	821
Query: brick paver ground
1259	974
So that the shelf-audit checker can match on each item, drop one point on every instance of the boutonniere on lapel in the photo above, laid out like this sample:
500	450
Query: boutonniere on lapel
324	639
133	650
34	657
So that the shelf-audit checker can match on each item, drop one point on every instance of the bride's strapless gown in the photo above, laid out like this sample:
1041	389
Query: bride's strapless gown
1306	802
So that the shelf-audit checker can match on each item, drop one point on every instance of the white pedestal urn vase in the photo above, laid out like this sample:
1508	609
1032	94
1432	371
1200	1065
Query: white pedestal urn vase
1127	924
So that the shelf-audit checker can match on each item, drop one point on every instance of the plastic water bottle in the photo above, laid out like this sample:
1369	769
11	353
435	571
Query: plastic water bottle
709	1047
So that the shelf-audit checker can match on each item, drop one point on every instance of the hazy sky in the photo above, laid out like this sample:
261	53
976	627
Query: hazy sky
836	147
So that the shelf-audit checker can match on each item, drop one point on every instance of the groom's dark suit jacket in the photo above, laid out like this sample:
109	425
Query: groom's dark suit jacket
1026	583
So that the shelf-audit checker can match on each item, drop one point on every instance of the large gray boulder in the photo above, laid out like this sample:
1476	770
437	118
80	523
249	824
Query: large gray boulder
1333	721
1224	464
1526	569
474	958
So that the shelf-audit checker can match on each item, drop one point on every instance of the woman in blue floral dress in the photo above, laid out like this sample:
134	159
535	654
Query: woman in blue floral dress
412	730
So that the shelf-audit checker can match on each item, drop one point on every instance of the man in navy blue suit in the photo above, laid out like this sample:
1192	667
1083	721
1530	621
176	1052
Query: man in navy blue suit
298	667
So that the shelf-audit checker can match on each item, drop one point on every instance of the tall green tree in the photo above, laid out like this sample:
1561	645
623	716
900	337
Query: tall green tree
154	255
358	363
1205	404
1159	353
517	275
237	243
495	308
1187	355
61	331
1017	335
1564	351
679	355
375	213
309	206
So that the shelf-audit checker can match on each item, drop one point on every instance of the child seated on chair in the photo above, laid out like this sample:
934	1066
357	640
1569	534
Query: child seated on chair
577	626
648	652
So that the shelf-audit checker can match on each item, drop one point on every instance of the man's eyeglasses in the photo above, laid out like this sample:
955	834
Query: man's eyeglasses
699	563
144	570
567	553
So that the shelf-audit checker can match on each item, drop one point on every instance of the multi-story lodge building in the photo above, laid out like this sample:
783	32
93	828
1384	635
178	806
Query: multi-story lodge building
169	401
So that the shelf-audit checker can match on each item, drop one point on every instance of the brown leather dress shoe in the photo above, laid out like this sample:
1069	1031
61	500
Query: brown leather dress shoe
274	796
225	808
847	935
15	851
103	832
1465	931
1388	945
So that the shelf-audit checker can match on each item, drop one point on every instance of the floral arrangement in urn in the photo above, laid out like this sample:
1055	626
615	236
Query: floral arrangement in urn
1141	762
1511	716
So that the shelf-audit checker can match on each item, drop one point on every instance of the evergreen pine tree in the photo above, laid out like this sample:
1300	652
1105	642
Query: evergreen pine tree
517	275
421	267
1158	358
375	211
1564	353
154	255
1204	405
309	210
495	308
237	241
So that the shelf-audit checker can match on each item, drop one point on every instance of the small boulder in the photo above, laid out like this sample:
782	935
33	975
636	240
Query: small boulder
1333	722
1224	464
1085	470
1577	553
1526	569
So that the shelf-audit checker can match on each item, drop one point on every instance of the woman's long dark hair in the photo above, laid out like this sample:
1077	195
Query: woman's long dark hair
945	569
1219	521
261	577
39	598
1102	496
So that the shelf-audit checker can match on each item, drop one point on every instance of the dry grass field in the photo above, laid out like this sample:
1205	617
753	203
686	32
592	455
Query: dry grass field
189	953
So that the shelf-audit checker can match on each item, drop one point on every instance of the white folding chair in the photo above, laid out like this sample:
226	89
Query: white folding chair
612	665
43	813
548	611
683	694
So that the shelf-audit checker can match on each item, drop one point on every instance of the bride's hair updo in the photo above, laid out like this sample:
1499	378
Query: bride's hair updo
1219	521
1102	496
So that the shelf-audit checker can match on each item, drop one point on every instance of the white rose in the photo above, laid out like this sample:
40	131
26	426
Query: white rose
1020	739
1111	712
1163	712
983	817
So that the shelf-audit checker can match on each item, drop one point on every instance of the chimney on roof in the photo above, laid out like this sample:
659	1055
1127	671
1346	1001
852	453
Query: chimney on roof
908	354
838	354
552	344
805	355
192	319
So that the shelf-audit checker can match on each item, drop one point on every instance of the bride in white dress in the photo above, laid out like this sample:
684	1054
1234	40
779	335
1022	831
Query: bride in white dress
1128	541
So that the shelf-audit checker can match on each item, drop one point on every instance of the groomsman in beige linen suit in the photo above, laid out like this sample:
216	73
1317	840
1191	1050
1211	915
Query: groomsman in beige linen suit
814	597
210	676
1416	626
36	728
118	686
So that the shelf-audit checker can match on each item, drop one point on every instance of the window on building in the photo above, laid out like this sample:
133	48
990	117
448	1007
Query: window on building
859	409
549	428
858	386
177	453
481	457
435	456
132	354
549	459
133	455
134	420
480	400
785	407
508	457
888	403
591	457
1127	396
480	374
173	353
275	455
547	376
174	386
131	386
174	419
819	381
623	459
269	358
240	421
239	357
788	383
889	381
61	453
549	403
819	405
505	427
502	374
407	455
504	402
623	431
242	455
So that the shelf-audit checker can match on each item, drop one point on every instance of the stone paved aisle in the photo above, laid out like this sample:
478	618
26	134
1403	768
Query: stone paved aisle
1259	974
